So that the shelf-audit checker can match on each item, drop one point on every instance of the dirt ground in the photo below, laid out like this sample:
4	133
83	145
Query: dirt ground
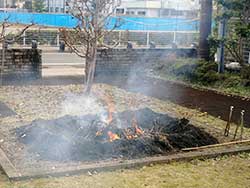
221	172
32	102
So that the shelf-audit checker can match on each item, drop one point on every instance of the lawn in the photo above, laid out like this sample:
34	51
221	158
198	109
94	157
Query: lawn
227	171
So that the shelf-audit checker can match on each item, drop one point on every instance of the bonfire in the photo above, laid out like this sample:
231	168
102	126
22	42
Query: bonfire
126	135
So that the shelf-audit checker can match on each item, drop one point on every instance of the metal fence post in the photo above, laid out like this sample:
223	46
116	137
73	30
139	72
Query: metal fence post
24	38
58	39
148	38
120	38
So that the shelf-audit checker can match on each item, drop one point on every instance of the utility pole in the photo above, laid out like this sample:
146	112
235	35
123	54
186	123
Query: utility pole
48	4
4	5
220	50
161	9
64	5
176	22
205	28
52	5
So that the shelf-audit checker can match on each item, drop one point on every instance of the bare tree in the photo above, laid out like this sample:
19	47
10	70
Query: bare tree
10	38
92	17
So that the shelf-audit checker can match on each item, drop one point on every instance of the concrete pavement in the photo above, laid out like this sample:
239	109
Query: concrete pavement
50	58
62	64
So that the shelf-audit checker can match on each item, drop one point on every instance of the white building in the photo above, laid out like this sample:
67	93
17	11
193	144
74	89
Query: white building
7	3
159	8
57	6
53	6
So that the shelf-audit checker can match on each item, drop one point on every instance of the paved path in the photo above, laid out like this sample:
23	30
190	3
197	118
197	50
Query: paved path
61	58
62	64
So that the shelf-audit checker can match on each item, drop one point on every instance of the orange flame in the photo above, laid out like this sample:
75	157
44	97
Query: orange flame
111	109
98	133
133	133
112	136
138	131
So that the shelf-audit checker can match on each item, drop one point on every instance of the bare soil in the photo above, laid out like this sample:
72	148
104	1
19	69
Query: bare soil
5	111
214	103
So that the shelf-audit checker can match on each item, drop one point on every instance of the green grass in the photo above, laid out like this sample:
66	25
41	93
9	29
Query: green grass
223	172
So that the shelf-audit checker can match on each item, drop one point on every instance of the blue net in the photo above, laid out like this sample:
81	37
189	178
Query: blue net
124	22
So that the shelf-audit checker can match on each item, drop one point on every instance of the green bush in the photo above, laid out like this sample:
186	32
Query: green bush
185	70
178	67
206	72
197	71
203	72
231	81
245	75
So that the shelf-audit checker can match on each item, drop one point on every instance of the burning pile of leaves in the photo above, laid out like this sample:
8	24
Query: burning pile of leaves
128	134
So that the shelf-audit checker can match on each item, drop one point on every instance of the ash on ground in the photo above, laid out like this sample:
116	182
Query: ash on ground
129	134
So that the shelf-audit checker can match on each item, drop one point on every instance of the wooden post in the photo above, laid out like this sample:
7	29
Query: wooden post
227	130
242	124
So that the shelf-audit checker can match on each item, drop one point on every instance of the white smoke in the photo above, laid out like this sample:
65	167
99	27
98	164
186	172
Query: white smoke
80	104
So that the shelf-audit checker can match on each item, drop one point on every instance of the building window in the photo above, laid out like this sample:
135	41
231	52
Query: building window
192	14
130	12
165	12
120	11
176	13
141	13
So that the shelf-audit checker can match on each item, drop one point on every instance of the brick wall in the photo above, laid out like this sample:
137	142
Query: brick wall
126	60
22	63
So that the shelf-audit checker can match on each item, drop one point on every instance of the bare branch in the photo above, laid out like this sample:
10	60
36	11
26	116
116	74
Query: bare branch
92	18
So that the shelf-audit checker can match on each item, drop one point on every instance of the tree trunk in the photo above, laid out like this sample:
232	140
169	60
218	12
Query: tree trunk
93	50
90	71
2	65
205	28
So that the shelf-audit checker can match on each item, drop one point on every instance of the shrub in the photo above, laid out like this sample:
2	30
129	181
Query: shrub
231	81
185	70
206	73
245	75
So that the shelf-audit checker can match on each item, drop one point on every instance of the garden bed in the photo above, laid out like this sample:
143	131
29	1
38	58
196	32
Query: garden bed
40	108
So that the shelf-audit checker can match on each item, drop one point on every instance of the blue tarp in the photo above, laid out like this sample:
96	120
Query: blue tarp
126	23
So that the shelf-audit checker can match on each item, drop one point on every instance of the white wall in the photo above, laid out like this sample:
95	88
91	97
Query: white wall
169	4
